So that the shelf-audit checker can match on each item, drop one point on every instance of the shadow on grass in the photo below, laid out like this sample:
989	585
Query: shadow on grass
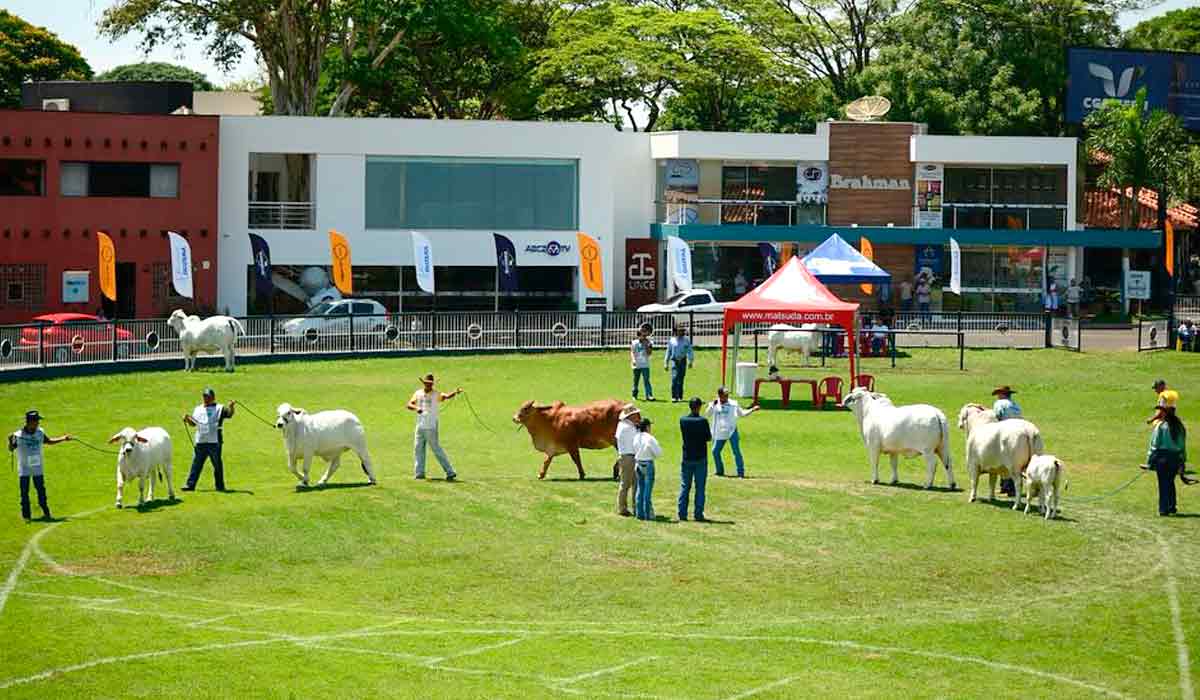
919	487
577	480
1186	515
157	504
803	404
333	487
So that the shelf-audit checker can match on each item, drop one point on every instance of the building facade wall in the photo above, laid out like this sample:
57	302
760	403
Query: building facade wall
59	231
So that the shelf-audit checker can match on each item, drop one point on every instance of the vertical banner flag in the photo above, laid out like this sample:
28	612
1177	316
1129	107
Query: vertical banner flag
591	266
181	264
261	253
681	263
423	259
108	266
770	258
506	263
1169	236
868	252
339	251
955	268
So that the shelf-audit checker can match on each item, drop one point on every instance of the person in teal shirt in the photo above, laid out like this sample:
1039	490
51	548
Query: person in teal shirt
1006	408
1167	456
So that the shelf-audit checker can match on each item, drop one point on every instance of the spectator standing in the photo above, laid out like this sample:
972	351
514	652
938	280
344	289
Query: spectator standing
627	433
924	297
693	468
639	359
208	419
28	442
739	284
678	358
648	450
1187	336
1164	398
879	337
725	413
1073	295
906	296
1167	456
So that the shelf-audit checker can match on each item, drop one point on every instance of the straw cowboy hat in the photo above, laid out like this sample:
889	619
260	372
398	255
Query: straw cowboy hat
427	378
629	410
1003	389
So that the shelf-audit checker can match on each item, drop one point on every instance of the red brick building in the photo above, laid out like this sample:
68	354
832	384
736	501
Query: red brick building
66	175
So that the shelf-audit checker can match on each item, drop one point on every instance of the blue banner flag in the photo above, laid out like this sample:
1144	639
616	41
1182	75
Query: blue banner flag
506	263
770	256
261	254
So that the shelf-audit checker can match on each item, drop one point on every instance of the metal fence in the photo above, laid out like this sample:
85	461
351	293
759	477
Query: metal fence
90	342
1187	307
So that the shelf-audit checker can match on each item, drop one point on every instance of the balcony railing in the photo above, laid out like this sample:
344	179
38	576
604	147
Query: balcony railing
288	215
756	212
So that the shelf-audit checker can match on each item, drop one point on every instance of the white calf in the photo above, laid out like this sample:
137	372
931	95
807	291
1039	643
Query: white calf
213	334
143	454
906	430
999	448
1044	478
326	434
806	339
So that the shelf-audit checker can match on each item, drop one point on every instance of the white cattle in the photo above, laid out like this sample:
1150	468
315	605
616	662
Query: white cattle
1044	478
143	454
212	334
326	434
999	448
806	339
901	430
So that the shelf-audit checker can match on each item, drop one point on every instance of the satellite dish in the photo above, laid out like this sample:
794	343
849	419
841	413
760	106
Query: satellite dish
869	108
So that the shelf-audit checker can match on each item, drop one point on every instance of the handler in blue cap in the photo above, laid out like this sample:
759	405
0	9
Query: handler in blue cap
208	418
28	443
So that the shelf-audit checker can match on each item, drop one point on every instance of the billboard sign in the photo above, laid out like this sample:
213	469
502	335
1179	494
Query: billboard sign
1172	81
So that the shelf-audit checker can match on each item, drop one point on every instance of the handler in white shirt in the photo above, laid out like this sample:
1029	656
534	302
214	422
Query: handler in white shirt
425	401
626	437
725	413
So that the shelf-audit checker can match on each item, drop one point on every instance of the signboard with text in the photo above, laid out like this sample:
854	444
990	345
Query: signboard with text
929	191
75	286
1171	80
1137	284
641	272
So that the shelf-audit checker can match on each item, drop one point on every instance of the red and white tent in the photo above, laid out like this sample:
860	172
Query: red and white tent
793	296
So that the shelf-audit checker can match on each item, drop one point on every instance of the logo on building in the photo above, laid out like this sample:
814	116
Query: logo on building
553	248
642	273
866	182
1114	88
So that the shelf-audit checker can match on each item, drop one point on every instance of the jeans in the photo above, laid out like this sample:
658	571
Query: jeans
421	438
643	508
924	308
678	372
877	345
1166	466
203	451
692	471
719	445
39	483
644	373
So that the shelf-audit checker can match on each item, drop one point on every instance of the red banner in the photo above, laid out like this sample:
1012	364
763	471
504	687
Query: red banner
641	272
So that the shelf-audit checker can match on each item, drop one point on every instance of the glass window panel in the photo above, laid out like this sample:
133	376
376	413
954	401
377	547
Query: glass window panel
1012	219
781	184
976	266
164	181
1019	267
385	193
118	180
22	178
73	179
968	185
973	217
516	198
808	214
1047	219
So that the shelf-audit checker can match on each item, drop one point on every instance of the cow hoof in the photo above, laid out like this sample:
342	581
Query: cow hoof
541	476
119	505
873	481
971	499
953	487
372	482
928	486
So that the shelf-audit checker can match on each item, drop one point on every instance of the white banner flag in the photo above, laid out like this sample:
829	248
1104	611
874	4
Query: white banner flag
955	268
181	264
681	263
423	257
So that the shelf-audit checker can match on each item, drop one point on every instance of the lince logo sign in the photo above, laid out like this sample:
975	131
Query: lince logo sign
866	182
642	274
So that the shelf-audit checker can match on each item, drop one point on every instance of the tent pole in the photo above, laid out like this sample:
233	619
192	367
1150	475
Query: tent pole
724	348
852	337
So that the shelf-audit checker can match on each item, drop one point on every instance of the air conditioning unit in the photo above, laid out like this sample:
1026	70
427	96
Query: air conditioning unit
60	104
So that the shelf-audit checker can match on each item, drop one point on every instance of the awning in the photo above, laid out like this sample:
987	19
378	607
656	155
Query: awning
837	262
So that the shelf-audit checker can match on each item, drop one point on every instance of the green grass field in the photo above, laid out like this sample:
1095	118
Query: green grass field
811	582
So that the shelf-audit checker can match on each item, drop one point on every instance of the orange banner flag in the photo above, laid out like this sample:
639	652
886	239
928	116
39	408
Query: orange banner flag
108	266
786	252
339	250
868	252
1169	234
590	263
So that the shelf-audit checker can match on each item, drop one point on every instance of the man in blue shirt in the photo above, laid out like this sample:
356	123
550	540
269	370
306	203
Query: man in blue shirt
694	467
678	358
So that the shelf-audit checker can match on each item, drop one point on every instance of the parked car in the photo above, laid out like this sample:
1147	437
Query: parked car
697	300
63	333
333	318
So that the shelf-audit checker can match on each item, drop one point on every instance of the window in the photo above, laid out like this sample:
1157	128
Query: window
695	300
16	292
22	178
24	286
1006	198
363	309
119	180
453	193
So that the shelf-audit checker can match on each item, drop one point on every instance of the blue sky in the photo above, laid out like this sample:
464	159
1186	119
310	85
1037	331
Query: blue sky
75	22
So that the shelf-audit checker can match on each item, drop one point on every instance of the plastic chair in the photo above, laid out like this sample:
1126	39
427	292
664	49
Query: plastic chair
866	381
829	388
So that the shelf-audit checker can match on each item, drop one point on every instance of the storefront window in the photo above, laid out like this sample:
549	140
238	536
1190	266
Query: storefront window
1012	219
1048	219
729	271
1006	198
997	278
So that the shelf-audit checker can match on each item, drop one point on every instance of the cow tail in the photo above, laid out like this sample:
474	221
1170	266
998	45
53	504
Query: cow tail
946	458
237	326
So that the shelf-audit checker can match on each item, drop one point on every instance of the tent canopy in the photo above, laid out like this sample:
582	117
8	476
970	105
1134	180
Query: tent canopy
837	262
793	296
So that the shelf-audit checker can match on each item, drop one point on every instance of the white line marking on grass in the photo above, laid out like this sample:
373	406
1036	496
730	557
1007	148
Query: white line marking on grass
75	598
11	582
477	650
417	658
604	671
1181	647
763	688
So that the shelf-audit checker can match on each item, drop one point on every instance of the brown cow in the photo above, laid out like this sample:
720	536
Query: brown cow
557	429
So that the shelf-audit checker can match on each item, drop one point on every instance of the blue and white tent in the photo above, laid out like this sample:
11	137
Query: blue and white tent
837	262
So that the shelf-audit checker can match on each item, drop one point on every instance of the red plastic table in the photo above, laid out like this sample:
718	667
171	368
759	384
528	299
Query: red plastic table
785	387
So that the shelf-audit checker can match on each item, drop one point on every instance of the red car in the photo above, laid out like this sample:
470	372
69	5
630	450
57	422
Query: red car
68	335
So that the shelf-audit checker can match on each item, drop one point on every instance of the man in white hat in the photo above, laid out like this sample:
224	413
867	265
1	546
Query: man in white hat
425	401
627	433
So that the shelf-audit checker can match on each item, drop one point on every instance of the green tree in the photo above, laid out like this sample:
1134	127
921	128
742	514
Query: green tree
29	53
1140	150
153	70
1177	30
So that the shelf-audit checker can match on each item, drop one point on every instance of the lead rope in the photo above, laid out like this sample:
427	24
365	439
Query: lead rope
478	420
1110	494
260	418
93	447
